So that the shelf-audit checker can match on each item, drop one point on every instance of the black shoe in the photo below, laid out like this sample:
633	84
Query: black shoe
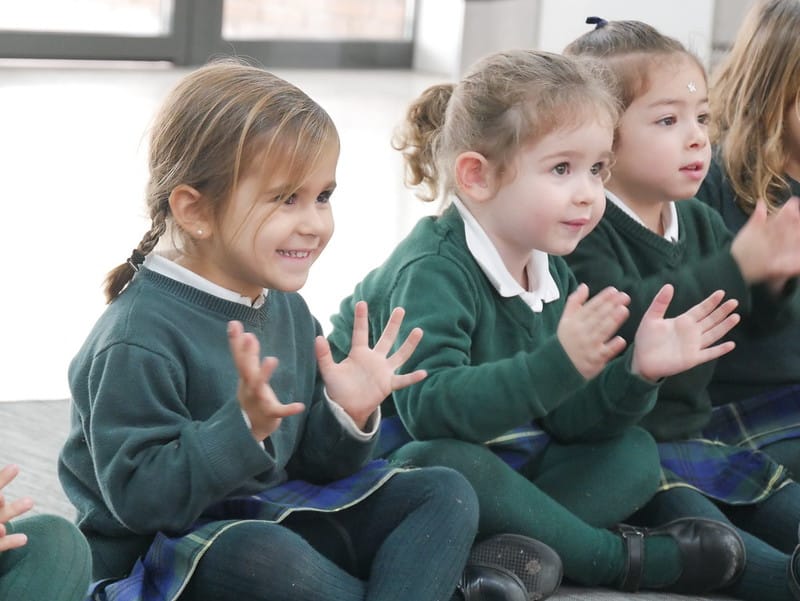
533	562
794	573
490	583
712	553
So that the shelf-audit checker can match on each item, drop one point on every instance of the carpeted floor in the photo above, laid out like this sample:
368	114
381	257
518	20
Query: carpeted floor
32	435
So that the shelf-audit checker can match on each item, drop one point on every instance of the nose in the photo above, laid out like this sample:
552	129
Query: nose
588	190
312	221
698	135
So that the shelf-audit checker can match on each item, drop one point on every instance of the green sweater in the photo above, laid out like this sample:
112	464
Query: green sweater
493	364
157	432
623	253
759	362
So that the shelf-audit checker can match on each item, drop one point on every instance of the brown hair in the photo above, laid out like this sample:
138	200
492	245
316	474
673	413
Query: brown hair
212	126
505	101
751	91
628	49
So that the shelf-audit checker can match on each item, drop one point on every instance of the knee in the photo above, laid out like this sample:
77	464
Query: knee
637	454
448	452
56	547
446	489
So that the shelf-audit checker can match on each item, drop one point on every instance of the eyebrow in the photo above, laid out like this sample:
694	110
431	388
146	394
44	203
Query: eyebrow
674	101
606	154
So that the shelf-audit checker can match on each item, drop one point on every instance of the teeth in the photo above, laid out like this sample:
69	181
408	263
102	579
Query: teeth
297	254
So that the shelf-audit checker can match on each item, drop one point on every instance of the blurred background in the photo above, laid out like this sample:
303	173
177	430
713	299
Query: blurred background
81	79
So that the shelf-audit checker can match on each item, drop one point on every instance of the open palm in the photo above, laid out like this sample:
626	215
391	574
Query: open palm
361	381
665	347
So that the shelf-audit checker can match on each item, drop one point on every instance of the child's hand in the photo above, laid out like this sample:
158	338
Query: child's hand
367	376
9	511
587	327
665	347
767	248
255	395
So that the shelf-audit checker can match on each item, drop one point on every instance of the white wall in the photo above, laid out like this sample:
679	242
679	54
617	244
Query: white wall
690	21
451	34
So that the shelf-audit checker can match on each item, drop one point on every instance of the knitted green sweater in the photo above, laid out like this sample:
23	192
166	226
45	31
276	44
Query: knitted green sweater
623	253
157	432
493	364
761	361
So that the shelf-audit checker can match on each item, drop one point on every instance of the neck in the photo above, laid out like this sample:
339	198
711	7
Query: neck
650	212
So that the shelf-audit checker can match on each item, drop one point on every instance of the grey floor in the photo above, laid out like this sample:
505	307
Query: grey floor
32	435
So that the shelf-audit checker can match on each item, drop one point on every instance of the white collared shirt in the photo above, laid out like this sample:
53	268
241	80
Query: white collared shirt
172	270
543	288
669	216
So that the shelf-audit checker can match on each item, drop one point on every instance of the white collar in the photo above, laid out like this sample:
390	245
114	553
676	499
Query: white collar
172	270
543	288
669	216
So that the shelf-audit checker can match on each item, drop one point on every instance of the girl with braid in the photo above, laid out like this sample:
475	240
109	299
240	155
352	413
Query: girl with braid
217	452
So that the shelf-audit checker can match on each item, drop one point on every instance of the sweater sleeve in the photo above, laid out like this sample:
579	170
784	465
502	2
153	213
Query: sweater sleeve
464	397
610	403
150	454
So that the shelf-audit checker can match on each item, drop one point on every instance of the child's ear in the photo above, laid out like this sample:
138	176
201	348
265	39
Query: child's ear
474	176
190	211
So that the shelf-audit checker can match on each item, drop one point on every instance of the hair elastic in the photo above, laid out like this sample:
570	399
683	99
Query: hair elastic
136	259
598	22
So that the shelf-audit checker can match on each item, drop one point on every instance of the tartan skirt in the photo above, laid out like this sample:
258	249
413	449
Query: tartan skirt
758	421
729	474
165	570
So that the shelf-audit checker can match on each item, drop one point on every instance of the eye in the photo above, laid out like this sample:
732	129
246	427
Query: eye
667	121
561	169
598	168
325	197
289	200
704	118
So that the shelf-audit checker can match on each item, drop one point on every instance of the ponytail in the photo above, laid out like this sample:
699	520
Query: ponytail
417	139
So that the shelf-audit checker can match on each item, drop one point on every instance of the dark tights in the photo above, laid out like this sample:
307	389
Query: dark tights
408	540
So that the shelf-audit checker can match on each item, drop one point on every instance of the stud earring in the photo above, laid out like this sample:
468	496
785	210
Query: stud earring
199	232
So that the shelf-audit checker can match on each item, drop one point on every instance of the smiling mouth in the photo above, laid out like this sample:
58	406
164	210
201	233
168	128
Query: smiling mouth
294	254
693	167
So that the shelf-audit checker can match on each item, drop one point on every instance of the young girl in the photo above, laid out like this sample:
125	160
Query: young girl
217	451
520	148
37	545
755	100
646	239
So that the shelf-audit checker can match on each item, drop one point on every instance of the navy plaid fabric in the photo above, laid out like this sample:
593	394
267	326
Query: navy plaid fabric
727	473
170	561
758	421
733	475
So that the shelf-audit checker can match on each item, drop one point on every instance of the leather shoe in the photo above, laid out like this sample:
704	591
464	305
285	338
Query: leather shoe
712	554
490	583
535	564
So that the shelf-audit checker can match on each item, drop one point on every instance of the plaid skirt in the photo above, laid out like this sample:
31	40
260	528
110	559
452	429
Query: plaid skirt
163	573
758	421
723	472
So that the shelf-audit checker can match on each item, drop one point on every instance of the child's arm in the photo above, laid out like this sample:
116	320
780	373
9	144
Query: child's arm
480	383
8	511
767	248
358	384
367	376
613	254
662	348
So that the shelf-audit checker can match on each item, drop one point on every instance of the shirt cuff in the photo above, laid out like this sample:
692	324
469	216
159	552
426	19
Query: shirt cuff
370	428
